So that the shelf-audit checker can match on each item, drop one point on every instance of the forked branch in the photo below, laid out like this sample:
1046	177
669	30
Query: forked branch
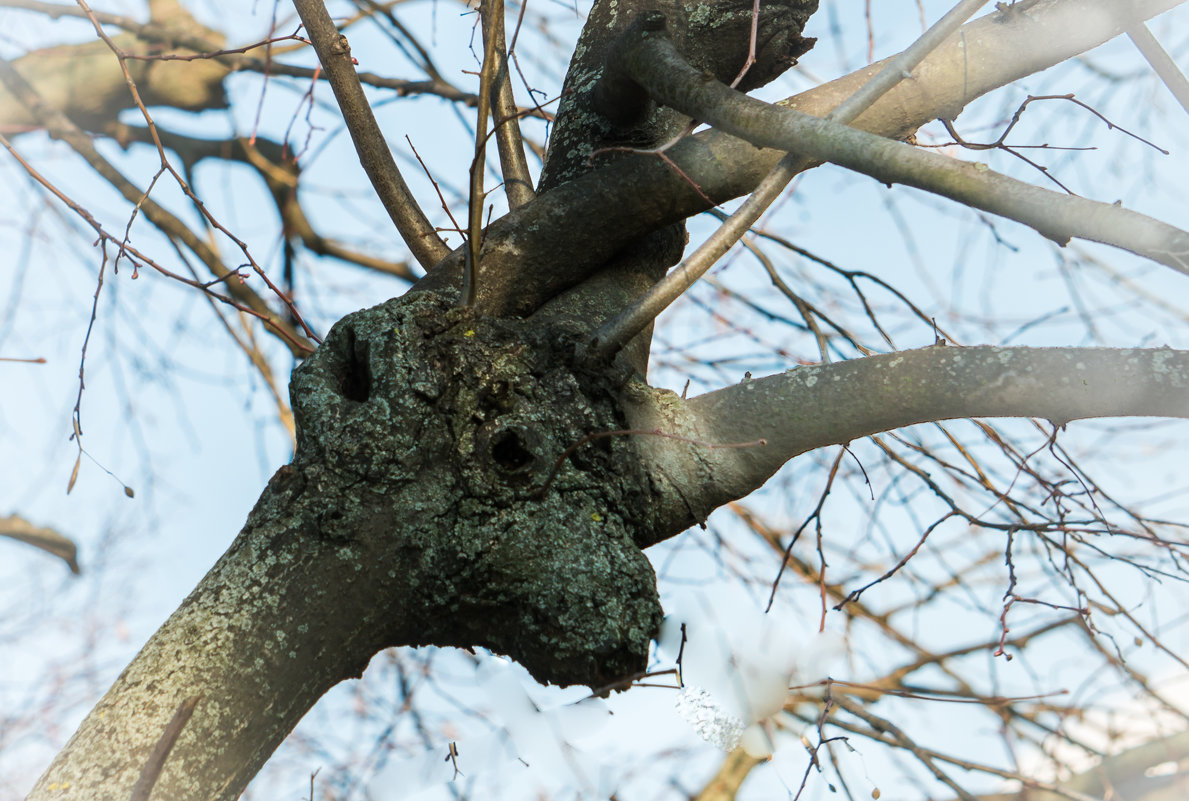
654	62
635	196
616	333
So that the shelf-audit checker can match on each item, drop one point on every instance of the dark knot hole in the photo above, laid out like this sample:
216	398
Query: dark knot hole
356	382
510	451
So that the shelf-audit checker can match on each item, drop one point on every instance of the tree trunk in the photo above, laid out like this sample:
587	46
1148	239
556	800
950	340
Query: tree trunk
413	513
461	478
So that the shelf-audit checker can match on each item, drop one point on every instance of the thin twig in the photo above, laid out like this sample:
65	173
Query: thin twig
854	595
156	761
61	127
894	732
144	260
1057	217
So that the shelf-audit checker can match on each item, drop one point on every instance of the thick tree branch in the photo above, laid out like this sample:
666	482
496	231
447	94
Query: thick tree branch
197	39
518	182
810	407
228	627
616	333
335	55
86	81
717	35
654	62
541	249
1124	775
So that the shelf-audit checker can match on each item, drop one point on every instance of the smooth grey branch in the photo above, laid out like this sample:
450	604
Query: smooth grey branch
654	62
830	404
617	332
1161	62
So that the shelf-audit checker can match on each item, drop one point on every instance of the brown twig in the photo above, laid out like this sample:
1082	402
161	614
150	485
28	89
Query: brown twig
1001	144
488	10
518	183
335	55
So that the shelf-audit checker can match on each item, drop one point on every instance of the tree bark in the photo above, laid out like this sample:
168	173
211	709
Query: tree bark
831	404
411	515
463	480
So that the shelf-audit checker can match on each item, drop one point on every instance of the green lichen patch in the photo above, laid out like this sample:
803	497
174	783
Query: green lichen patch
427	435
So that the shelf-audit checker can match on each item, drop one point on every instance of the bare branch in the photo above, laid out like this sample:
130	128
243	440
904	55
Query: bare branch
655	63
196	42
617	332
86	83
725	784
1161	62
518	181
489	9
335	55
635	196
894	733
811	407
61	127
281	173
46	539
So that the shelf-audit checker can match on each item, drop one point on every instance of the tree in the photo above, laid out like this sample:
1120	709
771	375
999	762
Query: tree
481	461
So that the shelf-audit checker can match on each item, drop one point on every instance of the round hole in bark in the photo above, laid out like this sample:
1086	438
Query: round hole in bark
511	451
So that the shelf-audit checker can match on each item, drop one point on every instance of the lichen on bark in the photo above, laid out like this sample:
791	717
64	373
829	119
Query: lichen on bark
436	430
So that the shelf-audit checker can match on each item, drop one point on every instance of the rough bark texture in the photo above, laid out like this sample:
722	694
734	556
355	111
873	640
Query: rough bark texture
714	35
422	505
442	428
413	513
